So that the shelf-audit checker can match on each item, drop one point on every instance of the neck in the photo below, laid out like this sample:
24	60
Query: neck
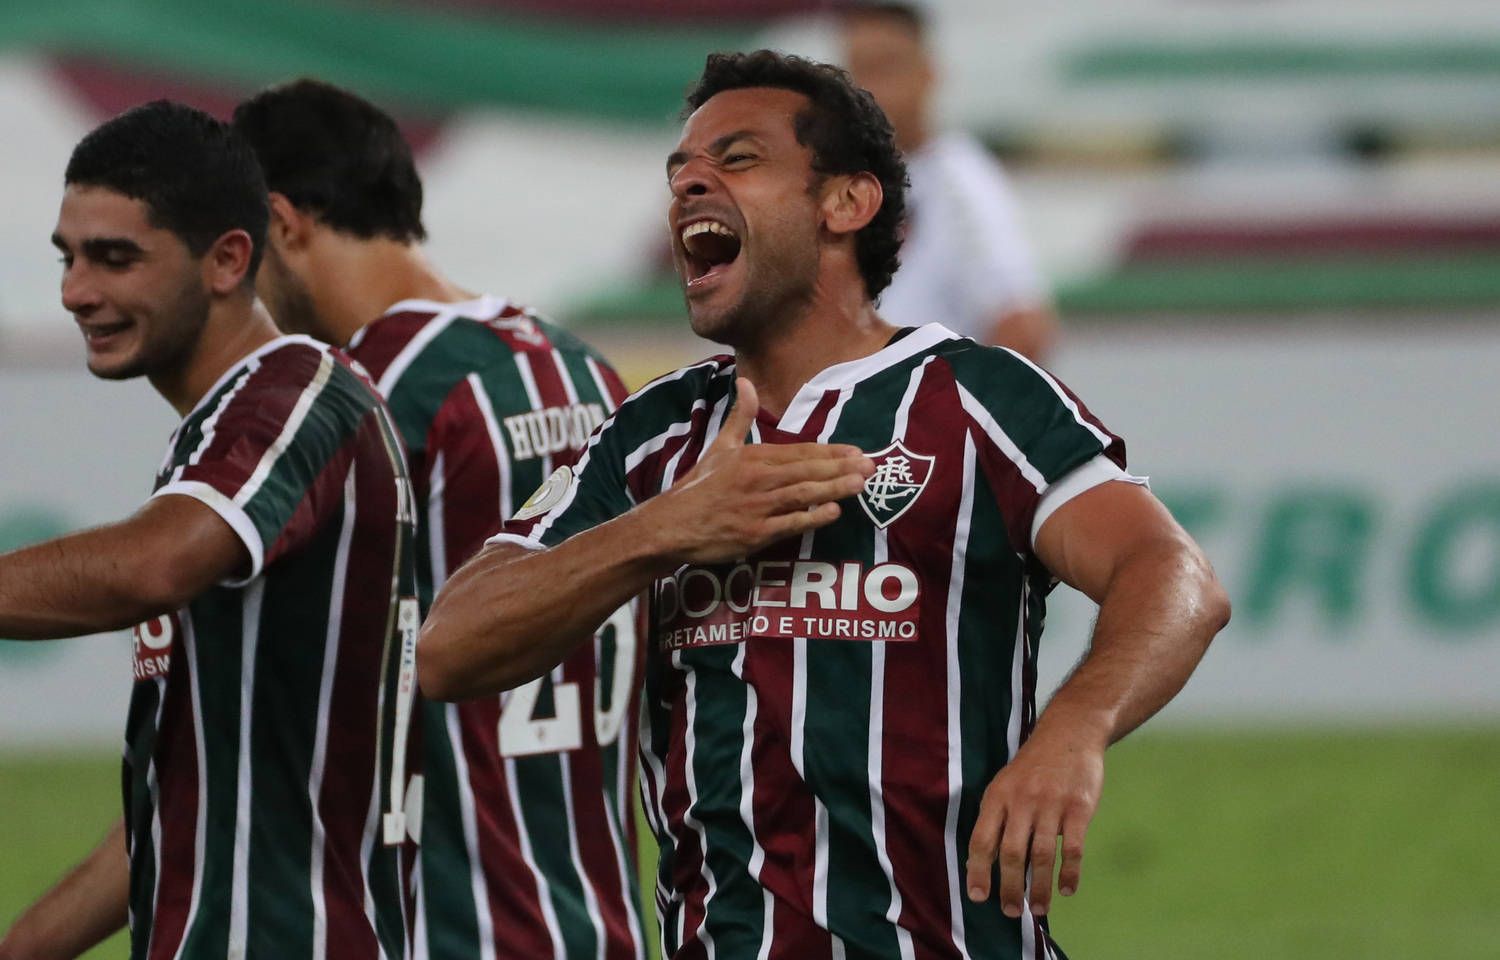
355	281
834	328
236	327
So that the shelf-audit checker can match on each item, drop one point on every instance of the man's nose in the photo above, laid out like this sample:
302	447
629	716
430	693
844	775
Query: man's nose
694	178
79	295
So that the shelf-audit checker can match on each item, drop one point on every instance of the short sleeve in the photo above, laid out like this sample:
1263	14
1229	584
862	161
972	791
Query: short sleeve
1036	442
273	462
574	498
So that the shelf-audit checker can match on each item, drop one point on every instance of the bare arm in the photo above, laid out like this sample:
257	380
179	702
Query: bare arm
510	614
1159	606
87	905
117	575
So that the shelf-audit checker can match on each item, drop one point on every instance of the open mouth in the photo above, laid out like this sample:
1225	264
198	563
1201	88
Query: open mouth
710	247
94	333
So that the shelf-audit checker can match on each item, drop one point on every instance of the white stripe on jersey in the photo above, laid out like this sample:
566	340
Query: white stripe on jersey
1017	680
437	537
153	786
320	736
469	817
288	431
875	755
543	889
606	396
497	446
1067	401
211	422
189	639
372	822
1000	438
690	742
567	378
615	814
429	332
747	800
590	896
955	688
239	896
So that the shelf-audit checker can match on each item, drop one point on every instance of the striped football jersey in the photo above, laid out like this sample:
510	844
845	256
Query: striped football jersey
264	772
821	718
528	839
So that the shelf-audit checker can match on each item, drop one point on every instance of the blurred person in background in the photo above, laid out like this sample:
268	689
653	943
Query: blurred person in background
270	579
842	735
965	261
528	837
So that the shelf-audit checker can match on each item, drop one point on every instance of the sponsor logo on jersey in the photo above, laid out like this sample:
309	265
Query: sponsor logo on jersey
538	433
152	645
699	606
899	478
547	496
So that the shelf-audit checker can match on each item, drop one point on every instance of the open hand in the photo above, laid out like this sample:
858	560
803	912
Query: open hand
1049	789
741	497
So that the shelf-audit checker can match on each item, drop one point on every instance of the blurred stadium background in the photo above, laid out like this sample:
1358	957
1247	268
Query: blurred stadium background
1273	233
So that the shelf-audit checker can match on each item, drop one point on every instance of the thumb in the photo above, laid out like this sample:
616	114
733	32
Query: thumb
737	424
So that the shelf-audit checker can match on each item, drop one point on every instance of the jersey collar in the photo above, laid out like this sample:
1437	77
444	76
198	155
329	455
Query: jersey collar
841	376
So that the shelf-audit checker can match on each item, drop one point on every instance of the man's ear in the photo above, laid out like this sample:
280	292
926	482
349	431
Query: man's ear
851	201
225	263
290	229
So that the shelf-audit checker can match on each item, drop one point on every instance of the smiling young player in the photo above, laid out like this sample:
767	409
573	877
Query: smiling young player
848	531
269	578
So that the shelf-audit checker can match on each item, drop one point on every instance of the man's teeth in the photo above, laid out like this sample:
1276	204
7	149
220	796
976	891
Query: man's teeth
705	226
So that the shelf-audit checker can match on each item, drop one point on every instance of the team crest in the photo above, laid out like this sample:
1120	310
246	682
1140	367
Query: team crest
899	479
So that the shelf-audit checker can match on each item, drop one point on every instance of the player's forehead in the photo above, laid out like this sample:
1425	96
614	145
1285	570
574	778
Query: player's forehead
90	212
767	113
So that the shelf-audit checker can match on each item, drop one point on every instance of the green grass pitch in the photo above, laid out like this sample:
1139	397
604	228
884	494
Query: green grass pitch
1235	846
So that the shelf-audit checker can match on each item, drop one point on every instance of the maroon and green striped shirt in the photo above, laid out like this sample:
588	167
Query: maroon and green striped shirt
528	839
264	802
821	718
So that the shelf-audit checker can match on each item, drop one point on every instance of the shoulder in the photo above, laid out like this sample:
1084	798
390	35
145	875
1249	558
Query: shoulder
669	401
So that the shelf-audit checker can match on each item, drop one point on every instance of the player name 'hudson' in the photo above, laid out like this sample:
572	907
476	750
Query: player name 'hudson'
539	433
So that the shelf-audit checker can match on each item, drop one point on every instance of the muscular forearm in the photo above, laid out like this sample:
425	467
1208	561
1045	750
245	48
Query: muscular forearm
1156	618
75	585
117	575
87	905
510	614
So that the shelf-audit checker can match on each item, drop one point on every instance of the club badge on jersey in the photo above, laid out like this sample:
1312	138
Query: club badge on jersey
900	477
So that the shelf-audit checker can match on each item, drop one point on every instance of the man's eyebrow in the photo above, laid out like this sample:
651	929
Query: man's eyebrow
98	248
716	148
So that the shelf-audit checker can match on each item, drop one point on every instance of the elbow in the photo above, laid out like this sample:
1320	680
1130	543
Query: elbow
1212	605
440	673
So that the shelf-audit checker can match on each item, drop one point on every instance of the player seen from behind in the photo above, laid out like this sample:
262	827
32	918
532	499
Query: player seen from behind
528	838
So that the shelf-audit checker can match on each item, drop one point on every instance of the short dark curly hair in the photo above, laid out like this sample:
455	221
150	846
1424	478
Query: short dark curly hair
337	156
196	177
844	128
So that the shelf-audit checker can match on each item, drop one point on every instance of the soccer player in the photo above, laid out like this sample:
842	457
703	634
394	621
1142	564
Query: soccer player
270	575
965	261
848	531
528	838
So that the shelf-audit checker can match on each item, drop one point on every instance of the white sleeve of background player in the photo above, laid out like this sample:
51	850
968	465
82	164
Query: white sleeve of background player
1080	479
1001	273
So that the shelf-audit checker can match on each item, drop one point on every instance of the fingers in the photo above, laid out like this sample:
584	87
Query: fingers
1068	876
1043	856
737	424
984	843
1015	846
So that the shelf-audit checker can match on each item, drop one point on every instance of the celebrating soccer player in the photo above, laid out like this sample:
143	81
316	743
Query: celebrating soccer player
271	576
848	531
528	838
